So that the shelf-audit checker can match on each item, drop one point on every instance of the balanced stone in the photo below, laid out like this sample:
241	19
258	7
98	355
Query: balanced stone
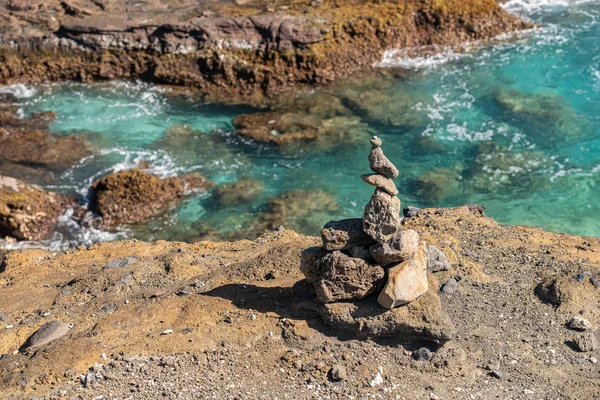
381	182
380	163
376	142
406	281
381	219
403	246
336	276
47	333
345	234
436	260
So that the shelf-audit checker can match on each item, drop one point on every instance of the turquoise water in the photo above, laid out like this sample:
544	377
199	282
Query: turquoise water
514	127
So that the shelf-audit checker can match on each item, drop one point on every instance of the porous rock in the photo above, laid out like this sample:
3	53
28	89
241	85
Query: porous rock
403	245
380	182
132	196
380	163
423	319
586	342
28	212
381	219
336	276
579	324
345	234
436	260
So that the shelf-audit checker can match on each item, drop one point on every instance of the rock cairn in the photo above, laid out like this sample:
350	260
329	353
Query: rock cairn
360	257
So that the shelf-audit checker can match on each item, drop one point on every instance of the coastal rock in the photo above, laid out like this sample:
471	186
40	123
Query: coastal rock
423	319
244	190
406	281
433	186
381	182
132	196
380	164
381	219
436	260
337	276
28	212
47	333
403	245
345	234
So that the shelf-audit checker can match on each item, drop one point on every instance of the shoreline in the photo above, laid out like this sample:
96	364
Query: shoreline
236	53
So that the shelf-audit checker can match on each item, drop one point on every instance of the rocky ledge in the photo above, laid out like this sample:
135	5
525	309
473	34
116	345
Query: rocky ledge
221	48
134	319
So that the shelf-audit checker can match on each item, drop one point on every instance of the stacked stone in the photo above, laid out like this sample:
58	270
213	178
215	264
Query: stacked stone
373	254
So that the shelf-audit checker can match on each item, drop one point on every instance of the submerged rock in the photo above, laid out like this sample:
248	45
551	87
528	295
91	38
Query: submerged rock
406	281
28	212
244	190
337	276
132	196
345	234
381	219
433	186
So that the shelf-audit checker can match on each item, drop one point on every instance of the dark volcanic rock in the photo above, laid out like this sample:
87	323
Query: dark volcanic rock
345	234
133	196
28	212
381	219
410	211
337	276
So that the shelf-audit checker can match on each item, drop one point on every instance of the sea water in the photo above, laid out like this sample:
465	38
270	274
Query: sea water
514	127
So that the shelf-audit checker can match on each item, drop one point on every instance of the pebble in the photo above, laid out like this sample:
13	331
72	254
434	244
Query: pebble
450	286
338	373
422	354
120	263
167	332
410	212
376	380
579	324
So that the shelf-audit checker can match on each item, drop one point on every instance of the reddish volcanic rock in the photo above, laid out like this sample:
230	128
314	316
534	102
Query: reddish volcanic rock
132	196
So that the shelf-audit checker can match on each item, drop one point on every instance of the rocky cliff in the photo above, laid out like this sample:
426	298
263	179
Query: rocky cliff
232	320
248	47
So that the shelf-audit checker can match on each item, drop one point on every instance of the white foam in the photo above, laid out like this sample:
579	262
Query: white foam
19	90
528	6
399	58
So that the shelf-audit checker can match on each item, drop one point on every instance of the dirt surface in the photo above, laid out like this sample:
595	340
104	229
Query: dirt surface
216	320
234	51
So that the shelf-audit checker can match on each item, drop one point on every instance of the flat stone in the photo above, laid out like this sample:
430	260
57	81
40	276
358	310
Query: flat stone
381	219
406	281
120	263
47	333
345	234
423	319
380	163
403	245
336	276
579	324
586	342
436	260
381	182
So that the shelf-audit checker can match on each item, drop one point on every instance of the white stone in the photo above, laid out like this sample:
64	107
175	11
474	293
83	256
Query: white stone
406	281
